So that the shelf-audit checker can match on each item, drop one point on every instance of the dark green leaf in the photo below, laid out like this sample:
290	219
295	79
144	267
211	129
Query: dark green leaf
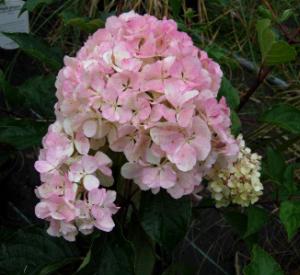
113	255
32	251
237	220
23	133
281	52
39	94
285	116
274	165
230	93
266	37
288	179
235	123
38	49
262	264
86	260
31	5
6	234
144	249
85	24
290	217
256	218
273	52
165	219
288	186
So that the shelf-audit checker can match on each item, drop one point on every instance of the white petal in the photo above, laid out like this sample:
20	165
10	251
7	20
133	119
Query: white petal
90	128
90	182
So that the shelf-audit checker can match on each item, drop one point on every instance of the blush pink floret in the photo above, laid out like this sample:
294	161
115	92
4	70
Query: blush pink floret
139	87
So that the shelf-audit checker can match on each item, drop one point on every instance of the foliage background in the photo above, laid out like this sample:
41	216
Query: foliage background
217	241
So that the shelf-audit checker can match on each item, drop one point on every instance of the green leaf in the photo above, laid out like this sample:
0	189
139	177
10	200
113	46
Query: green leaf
288	179
39	94
256	218
235	123
34	252
262	264
275	168
5	235
274	165
113	255
230	93
21	133
241	223
144	249
280	52
273	52
284	116
38	49
86	260
165	219
290	217
85	24
237	220
31	5
265	36
288	186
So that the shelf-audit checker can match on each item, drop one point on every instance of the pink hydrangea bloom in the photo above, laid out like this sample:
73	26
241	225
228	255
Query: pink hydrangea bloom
139	87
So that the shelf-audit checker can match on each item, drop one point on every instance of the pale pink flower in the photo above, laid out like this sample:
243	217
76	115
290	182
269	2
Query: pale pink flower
102	208
85	168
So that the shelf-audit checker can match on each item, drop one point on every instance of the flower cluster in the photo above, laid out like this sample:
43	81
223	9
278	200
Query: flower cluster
240	183
140	87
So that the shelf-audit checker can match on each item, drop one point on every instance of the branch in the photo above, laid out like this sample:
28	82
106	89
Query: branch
262	74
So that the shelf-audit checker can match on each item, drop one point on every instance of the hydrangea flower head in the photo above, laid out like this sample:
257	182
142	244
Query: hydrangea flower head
240	183
139	87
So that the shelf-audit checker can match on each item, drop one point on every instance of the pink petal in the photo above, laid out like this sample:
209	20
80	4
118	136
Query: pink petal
53	229
82	144
42	210
96	196
176	191
167	177
184	158
43	166
89	164
105	224
184	117
102	159
202	141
